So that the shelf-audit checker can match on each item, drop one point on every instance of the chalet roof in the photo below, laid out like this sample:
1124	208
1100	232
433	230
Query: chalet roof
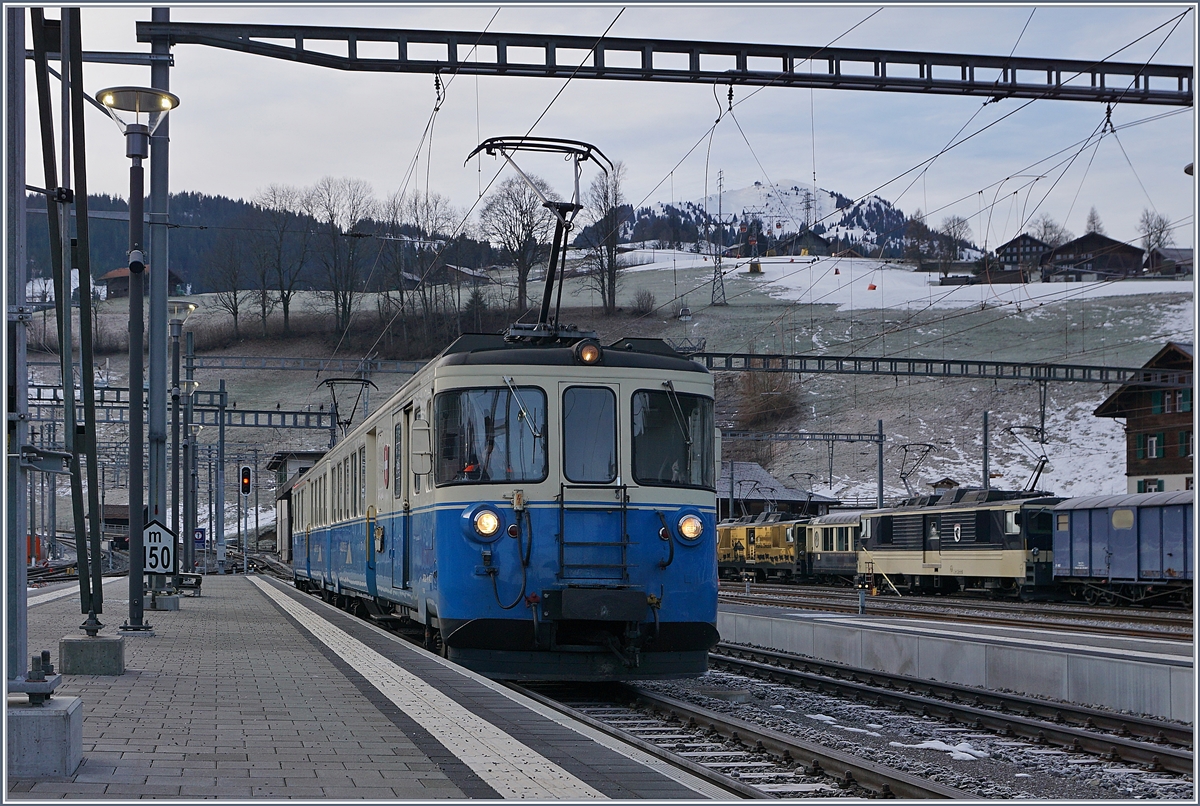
116	274
1171	356
1027	237
1090	242
752	482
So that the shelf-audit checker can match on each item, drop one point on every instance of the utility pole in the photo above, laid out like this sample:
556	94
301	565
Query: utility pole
158	270
718	289
219	530
879	460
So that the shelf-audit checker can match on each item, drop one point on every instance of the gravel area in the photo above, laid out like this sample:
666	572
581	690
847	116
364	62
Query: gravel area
972	760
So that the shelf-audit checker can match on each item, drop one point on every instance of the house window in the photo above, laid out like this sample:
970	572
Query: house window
1150	486
1152	446
1185	443
1187	484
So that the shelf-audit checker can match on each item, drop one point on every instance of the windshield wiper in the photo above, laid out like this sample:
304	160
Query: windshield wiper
508	381
677	410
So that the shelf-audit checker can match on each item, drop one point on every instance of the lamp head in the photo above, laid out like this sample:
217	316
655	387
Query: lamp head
180	309
154	104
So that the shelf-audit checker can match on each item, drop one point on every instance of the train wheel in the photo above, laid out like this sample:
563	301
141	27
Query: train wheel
1091	595
1186	597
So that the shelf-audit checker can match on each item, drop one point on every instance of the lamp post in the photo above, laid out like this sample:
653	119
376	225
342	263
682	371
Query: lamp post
179	311
154	104
187	387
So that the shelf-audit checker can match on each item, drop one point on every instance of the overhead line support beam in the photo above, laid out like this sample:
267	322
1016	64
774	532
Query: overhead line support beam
745	64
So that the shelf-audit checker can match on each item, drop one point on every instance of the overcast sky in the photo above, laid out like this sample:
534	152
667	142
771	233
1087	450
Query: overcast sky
246	121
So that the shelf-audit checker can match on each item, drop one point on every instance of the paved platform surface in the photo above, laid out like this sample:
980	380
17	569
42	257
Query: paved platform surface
255	690
1138	675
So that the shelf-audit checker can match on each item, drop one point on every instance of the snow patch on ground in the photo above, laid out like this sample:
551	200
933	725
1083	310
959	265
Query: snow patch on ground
963	751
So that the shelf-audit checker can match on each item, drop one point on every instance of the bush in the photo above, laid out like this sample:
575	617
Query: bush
643	303
765	398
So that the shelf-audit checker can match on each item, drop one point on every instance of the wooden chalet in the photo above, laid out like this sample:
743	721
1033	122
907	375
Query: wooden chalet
117	282
1023	252
1090	258
1159	443
1169	262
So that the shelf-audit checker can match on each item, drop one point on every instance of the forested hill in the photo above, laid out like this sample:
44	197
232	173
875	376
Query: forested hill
196	218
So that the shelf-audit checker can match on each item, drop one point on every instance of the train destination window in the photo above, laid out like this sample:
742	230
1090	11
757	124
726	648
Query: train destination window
673	439
589	435
490	435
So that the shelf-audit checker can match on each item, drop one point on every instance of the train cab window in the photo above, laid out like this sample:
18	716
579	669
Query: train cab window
589	435
490	435
1012	524
673	439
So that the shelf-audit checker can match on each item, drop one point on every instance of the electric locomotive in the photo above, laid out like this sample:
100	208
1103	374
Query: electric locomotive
544	506
964	539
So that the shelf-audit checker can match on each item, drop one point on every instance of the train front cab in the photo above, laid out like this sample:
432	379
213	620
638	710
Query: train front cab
1123	549
603	561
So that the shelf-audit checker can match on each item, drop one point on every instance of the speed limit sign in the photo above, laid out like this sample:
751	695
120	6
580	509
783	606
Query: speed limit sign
158	549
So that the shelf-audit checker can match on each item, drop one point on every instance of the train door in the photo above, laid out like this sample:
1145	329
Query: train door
933	541
1101	555
1122	544
369	487
592	528
1175	531
1150	554
402	480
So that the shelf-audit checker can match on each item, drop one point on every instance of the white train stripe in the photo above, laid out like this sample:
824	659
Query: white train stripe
508	766
42	598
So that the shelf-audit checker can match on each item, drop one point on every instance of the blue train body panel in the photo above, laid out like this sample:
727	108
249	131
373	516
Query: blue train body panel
1138	539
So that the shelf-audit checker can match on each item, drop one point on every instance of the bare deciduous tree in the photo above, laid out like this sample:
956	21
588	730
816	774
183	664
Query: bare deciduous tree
283	242
1155	229
955	231
339	205
227	276
514	220
603	202
1049	231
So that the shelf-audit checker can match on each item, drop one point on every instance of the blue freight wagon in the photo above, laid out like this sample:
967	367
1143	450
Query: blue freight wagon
1122	549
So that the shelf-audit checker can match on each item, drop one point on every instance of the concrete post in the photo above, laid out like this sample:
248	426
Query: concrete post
219	529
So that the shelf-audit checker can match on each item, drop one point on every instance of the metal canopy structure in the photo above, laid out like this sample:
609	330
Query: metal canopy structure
691	62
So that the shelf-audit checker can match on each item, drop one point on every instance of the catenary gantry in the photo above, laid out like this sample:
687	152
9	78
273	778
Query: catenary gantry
690	62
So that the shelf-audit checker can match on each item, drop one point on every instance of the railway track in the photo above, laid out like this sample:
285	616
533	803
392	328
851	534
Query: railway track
1154	743
1158	625
745	759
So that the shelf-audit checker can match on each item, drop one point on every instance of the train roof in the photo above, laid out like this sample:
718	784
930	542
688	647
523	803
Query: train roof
849	516
492	348
970	498
1179	498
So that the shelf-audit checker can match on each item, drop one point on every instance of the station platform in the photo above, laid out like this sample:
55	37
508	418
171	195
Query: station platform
1137	675
255	690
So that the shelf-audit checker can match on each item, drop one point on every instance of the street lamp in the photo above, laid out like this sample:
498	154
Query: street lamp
154	105
179	310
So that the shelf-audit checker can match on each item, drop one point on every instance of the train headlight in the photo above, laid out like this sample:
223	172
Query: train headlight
588	352
487	523
691	527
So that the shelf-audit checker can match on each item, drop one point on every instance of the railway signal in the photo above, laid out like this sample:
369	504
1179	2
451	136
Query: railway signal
245	479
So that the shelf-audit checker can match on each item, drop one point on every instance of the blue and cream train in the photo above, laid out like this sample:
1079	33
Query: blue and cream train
543	508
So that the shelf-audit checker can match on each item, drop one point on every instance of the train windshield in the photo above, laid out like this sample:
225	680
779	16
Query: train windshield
490	435
673	439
